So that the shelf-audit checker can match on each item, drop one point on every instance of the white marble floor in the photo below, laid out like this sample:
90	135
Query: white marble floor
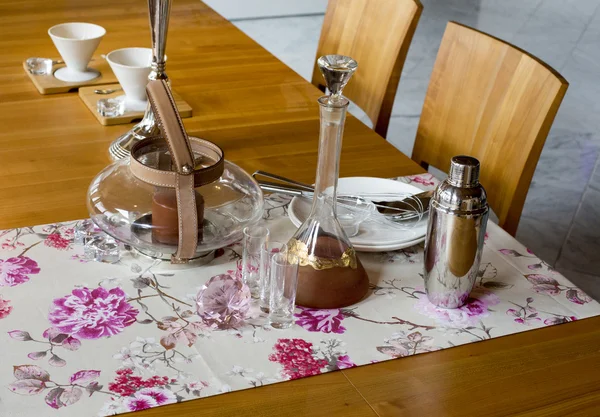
561	219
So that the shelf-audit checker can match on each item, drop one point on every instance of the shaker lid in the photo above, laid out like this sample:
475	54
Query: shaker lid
461	192
464	171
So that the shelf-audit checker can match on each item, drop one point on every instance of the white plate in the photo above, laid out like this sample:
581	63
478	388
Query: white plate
373	236
383	248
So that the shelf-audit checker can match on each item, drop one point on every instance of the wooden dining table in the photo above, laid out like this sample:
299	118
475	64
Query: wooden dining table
264	116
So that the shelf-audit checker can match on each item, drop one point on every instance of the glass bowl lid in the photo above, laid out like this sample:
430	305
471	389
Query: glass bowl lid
145	215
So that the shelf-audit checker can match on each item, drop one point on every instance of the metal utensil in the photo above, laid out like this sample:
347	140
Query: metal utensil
107	91
284	180
407	208
418	202
159	11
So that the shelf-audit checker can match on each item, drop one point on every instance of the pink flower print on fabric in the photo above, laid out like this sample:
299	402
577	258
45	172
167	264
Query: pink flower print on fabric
476	308
55	240
425	179
15	271
575	295
237	273
559	320
509	252
5	307
127	384
297	358
10	244
344	362
315	320
161	396
529	316
69	343
543	284
139	402
402	344
91	314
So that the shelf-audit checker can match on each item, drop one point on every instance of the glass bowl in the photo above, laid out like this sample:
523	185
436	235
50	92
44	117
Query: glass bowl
352	211
122	206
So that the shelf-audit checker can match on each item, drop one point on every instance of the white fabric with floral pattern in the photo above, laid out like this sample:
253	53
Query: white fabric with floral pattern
91	338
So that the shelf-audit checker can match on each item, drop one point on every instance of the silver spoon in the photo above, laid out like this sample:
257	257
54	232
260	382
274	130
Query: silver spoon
106	91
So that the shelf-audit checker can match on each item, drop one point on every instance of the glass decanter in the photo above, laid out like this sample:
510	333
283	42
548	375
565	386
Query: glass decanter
330	274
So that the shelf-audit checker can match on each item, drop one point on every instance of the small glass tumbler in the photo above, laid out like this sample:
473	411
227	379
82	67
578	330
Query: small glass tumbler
284	282
39	66
256	239
265	275
352	211
102	248
85	230
110	107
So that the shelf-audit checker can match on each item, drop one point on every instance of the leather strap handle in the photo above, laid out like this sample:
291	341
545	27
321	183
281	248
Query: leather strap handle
164	178
184	179
170	124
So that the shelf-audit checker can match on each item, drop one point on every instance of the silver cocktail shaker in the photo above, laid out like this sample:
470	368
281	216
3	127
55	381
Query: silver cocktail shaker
458	215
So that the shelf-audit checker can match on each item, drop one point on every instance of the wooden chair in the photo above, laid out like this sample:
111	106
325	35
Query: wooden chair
377	35
494	101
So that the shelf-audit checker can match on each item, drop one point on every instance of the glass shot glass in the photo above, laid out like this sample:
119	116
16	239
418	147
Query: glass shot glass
39	66
352	211
110	107
265	274
255	241
102	248
284	282
84	231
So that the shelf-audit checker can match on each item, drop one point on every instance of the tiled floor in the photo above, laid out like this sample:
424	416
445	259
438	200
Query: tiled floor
561	219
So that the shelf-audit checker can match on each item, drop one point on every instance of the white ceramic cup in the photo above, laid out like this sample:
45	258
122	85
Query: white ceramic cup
76	42
132	67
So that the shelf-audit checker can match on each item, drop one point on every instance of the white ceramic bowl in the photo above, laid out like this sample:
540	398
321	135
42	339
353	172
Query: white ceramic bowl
132	67
76	42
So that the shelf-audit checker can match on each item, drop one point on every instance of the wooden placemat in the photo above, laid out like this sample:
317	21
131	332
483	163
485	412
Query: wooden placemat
48	84
87	95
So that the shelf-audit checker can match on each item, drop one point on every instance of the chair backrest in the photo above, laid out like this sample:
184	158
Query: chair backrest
377	35
494	101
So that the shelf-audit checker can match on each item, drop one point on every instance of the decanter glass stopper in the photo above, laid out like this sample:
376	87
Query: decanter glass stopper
337	71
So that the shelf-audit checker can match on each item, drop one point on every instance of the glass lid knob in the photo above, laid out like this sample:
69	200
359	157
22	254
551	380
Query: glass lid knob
337	71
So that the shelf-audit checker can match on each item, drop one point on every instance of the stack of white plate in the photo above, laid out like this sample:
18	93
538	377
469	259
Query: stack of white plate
373	236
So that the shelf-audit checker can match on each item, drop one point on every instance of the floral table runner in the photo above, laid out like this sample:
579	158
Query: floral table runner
85	338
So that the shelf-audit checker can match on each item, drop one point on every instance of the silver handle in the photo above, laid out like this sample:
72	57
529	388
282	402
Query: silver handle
281	189
159	11
283	180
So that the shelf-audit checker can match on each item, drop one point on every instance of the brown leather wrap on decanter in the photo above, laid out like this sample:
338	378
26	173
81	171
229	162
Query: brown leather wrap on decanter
184	177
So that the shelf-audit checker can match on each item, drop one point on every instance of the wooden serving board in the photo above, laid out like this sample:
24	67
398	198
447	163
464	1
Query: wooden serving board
87	95
48	84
